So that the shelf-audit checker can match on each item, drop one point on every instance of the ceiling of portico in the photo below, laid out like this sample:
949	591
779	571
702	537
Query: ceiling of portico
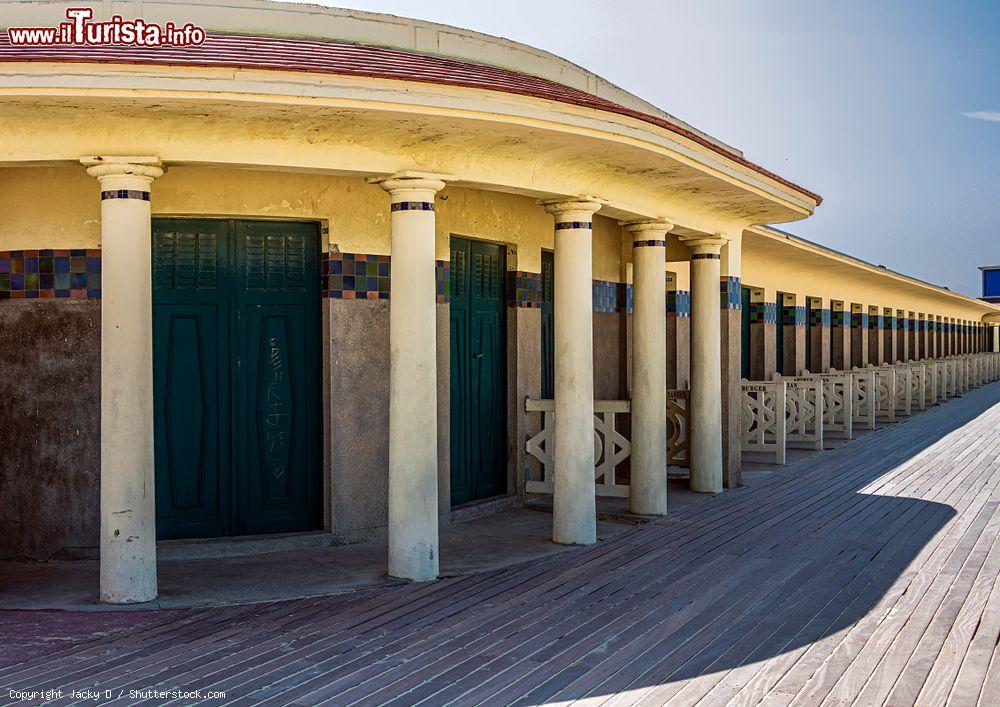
486	151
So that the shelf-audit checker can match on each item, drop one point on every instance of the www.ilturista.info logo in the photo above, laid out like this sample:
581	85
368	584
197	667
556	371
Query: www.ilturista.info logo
79	30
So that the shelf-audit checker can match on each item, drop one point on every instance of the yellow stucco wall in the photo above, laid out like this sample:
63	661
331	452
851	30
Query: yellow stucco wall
356	213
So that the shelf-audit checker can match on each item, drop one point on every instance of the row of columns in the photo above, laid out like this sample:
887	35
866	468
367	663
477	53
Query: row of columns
128	515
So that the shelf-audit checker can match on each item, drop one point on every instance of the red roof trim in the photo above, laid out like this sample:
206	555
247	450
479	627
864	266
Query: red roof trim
242	51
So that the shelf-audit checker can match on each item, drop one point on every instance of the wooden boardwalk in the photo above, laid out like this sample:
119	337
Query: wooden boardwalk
869	574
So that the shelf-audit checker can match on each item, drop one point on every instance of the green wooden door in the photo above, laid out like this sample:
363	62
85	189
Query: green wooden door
478	344
548	330
236	377
779	334
745	332
809	337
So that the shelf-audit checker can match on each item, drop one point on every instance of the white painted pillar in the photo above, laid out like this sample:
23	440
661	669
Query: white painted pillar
128	507
648	484
574	520
413	434
706	383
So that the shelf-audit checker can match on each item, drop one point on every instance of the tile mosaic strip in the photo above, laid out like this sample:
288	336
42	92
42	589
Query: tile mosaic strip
565	225
859	320
891	323
47	273
610	296
125	194
678	303
819	317
355	276
442	281
876	322
729	291
524	289
411	206
763	312
793	316
839	318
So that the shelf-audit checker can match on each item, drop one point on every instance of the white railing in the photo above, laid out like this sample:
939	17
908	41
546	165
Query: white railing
885	387
678	428
930	383
838	403
804	407
918	384
763	416
611	447
865	394
904	389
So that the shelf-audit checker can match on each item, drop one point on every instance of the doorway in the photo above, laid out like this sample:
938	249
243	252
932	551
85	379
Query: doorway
236	377
478	371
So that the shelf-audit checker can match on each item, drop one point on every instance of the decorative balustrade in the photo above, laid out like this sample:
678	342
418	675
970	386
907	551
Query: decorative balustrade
885	387
764	418
864	391
838	403
678	428
904	389
804	407
918	384
930	383
611	447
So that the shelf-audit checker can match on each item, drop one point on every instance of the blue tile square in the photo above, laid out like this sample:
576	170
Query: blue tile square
93	265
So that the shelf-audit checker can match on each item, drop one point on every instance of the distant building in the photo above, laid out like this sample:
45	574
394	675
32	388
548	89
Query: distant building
991	283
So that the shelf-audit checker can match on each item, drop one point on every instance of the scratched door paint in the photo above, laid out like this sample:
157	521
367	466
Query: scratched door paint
236	377
478	355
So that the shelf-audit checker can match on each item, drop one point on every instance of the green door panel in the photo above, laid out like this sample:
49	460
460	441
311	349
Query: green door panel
277	427
478	377
745	333
809	337
190	382
548	330
236	366
779	334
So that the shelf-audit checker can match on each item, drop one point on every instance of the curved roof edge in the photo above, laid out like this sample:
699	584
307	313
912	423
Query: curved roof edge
273	53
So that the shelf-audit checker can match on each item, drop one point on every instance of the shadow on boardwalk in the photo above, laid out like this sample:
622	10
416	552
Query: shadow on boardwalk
728	596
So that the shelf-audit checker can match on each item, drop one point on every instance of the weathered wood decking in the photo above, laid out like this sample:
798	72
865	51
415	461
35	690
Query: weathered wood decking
868	574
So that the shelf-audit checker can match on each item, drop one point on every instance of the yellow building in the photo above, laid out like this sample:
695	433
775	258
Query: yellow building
305	275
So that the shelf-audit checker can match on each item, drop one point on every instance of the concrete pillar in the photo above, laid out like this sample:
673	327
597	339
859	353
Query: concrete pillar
574	519
413	438
818	331
706	382
996	339
859	336
840	337
648	482
128	506
876	340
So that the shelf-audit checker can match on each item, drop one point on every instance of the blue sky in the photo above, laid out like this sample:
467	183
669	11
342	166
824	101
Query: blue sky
890	110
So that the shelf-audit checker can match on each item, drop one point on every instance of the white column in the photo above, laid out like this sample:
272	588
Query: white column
648	484
128	507
574	519
413	437
706	382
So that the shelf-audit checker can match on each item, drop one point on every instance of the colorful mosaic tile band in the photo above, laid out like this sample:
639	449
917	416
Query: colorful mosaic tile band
876	322
729	291
678	303
859	320
819	317
793	316
44	274
839	318
610	296
524	289
442	281
355	276
763	313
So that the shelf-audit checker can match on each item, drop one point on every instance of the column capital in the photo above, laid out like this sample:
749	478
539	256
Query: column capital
648	232
573	208
408	180
705	245
146	167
